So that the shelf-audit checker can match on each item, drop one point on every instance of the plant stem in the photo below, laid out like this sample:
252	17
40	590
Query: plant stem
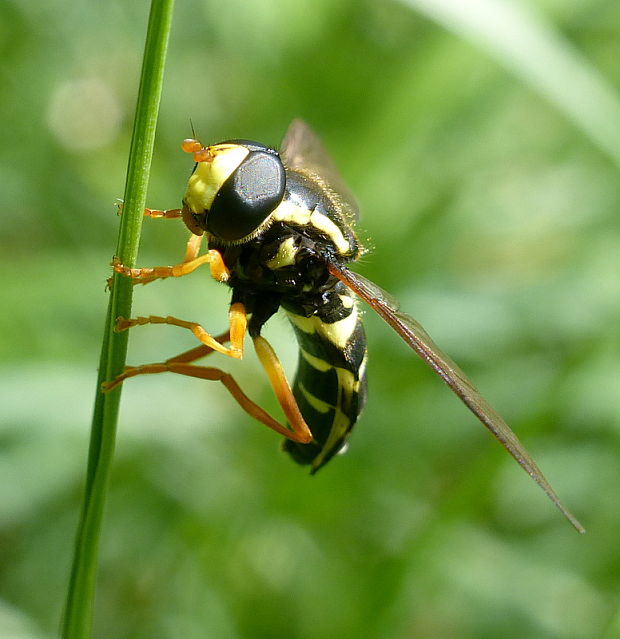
78	614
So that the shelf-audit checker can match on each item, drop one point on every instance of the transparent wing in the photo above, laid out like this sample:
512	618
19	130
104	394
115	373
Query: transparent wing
420	341
301	149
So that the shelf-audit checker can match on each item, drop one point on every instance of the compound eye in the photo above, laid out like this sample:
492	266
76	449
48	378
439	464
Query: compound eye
248	196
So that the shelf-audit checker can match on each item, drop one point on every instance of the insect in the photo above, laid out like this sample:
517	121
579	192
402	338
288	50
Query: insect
280	229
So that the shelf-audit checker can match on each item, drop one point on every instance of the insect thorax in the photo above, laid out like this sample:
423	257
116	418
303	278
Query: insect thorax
286	263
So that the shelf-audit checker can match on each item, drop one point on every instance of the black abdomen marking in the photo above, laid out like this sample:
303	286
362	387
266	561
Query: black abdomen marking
330	384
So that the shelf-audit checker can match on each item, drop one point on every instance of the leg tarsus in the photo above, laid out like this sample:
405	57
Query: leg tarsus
168	214
219	270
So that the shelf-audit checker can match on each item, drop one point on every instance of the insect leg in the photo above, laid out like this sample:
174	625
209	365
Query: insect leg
191	253
237	319
282	389
219	270
180	365
183	358
169	214
193	247
199	351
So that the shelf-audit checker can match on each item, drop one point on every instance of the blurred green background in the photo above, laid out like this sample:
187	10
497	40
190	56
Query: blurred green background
482	139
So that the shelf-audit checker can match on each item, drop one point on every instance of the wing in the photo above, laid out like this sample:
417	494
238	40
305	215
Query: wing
301	149
420	341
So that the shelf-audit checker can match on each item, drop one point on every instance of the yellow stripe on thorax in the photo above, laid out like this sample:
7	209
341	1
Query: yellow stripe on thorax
288	211
321	222
293	213
285	255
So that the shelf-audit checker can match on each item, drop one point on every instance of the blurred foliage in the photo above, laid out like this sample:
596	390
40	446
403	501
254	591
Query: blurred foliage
488	181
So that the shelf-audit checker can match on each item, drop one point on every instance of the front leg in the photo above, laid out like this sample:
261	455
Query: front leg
191	261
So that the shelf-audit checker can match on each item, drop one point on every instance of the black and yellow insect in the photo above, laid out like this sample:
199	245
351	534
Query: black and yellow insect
280	232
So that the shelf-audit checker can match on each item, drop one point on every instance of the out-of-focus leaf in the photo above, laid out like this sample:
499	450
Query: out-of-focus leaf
526	44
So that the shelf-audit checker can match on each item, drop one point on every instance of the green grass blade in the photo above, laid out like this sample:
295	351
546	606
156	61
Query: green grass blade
531	48
77	622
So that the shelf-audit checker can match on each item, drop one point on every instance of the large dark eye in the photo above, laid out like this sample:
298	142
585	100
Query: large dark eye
248	196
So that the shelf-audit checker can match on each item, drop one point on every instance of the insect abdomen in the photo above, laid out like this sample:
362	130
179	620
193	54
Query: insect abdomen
330	384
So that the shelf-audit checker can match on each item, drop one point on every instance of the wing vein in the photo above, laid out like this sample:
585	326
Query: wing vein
421	342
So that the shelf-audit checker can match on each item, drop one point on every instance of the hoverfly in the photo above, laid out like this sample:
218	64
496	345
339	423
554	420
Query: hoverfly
280	229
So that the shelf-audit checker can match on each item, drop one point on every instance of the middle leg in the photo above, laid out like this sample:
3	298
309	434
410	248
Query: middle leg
237	319
181	364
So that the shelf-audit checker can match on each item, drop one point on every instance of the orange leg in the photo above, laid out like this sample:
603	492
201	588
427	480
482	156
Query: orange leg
237	319
193	247
282	389
219	270
199	351
169	214
182	366
191	253
183	358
